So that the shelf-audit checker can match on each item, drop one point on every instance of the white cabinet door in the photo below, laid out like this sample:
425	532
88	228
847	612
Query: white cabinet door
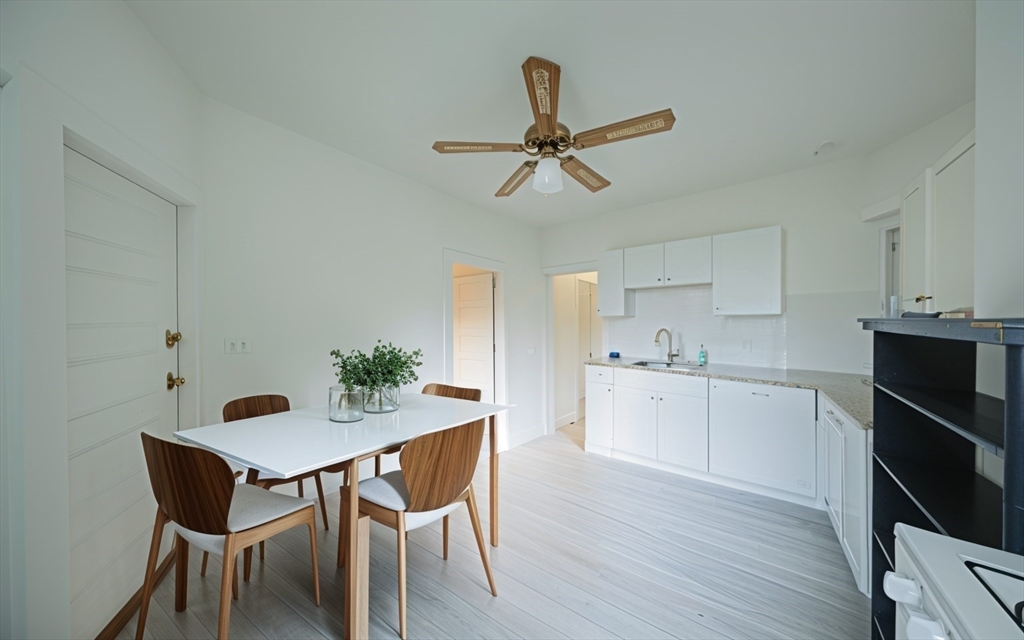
683	430
645	266
855	497
612	297
688	261
834	474
915	236
953	217
763	434
747	272
636	422
599	414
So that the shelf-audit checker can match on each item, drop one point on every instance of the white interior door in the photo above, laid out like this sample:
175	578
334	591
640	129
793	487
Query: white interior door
121	275
583	337
473	333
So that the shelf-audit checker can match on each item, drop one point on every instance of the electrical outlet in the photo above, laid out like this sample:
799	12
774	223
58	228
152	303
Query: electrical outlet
231	345
747	345
244	345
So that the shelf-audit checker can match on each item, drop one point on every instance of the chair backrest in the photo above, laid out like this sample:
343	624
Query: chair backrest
438	467
254	407
192	486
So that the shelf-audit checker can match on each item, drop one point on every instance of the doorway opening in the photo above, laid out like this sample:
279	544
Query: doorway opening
578	337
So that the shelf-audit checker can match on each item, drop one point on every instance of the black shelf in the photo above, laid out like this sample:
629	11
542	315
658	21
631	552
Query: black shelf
887	543
1002	331
958	501
975	416
884	627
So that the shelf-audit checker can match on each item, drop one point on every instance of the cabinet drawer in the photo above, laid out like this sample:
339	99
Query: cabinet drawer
694	386
599	374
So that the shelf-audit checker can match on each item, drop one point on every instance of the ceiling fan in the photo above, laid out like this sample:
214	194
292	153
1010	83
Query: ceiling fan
549	139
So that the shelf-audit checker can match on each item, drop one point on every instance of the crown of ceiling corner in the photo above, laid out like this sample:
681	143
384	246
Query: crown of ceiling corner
549	140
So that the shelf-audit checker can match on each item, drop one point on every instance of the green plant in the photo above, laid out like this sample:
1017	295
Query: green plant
387	366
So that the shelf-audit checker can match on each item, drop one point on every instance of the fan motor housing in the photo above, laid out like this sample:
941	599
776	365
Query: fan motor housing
532	139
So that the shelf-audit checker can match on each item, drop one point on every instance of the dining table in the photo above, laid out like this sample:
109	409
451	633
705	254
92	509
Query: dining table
293	443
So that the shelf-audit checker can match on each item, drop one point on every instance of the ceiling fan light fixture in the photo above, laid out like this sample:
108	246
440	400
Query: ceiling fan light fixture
548	176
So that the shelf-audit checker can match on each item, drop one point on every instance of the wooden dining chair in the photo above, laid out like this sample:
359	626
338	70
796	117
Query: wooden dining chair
435	479
195	490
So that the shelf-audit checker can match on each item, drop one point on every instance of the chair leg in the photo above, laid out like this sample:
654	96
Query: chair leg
206	558
230	555
376	465
147	583
401	574
323	503
343	525
246	563
234	584
180	573
312	551
444	533
474	517
300	483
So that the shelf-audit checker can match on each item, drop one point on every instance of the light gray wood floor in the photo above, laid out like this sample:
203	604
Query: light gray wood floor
590	548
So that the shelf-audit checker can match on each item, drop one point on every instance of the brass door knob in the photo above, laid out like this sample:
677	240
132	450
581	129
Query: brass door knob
173	382
173	338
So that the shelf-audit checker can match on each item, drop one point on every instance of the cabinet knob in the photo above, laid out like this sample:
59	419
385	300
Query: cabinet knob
669	279
659	279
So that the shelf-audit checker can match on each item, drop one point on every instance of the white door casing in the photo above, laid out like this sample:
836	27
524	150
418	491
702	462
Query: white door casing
121	290
473	333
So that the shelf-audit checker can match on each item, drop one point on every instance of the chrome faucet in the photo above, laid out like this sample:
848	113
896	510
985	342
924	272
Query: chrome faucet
657	342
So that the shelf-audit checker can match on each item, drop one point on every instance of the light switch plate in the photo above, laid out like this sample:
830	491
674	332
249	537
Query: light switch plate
244	345
231	345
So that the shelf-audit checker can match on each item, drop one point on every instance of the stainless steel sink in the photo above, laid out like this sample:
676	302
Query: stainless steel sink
661	364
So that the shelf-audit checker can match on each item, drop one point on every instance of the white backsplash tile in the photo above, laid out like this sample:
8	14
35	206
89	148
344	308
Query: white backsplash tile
758	341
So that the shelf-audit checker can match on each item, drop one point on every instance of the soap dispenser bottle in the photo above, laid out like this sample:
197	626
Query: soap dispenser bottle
702	357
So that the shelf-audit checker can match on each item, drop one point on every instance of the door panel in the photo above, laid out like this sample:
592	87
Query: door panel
636	422
747	272
645	266
121	294
683	430
688	261
473	333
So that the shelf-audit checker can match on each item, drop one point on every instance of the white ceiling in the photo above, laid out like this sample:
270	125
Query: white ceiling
755	87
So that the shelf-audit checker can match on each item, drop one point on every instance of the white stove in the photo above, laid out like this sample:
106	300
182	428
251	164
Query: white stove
946	588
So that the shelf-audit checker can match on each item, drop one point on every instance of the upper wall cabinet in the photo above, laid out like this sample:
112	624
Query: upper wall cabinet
682	262
747	272
613	299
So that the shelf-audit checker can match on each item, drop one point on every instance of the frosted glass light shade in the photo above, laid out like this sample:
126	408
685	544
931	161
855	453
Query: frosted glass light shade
548	176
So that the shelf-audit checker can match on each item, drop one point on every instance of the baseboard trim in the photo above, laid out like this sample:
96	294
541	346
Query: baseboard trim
568	418
524	436
122	617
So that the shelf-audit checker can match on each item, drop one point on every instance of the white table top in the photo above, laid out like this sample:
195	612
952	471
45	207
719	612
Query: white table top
288	444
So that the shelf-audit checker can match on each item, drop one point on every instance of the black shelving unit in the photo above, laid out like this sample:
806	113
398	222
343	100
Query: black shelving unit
928	420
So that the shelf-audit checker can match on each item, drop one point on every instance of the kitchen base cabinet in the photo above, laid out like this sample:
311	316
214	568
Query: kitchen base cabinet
763	434
847	454
635	426
683	430
834	458
599	415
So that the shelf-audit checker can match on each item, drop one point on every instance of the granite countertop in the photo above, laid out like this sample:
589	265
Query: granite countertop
850	392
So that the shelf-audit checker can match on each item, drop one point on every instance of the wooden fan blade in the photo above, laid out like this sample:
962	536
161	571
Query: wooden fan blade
584	174
475	147
542	78
633	128
521	175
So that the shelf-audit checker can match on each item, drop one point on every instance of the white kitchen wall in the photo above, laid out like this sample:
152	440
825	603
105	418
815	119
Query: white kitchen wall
999	190
306	249
830	260
757	341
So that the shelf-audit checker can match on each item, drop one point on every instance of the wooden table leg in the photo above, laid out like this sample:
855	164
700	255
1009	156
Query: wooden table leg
494	481
357	564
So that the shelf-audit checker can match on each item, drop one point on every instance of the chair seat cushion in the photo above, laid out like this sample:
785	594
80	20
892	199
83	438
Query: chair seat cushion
390	492
251	506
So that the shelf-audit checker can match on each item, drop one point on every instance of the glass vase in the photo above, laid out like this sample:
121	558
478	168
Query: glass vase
345	406
381	400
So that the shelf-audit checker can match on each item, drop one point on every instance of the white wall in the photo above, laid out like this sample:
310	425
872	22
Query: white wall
999	186
87	69
831	258
306	249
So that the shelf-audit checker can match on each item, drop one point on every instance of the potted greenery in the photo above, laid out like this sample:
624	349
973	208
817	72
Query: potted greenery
379	375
